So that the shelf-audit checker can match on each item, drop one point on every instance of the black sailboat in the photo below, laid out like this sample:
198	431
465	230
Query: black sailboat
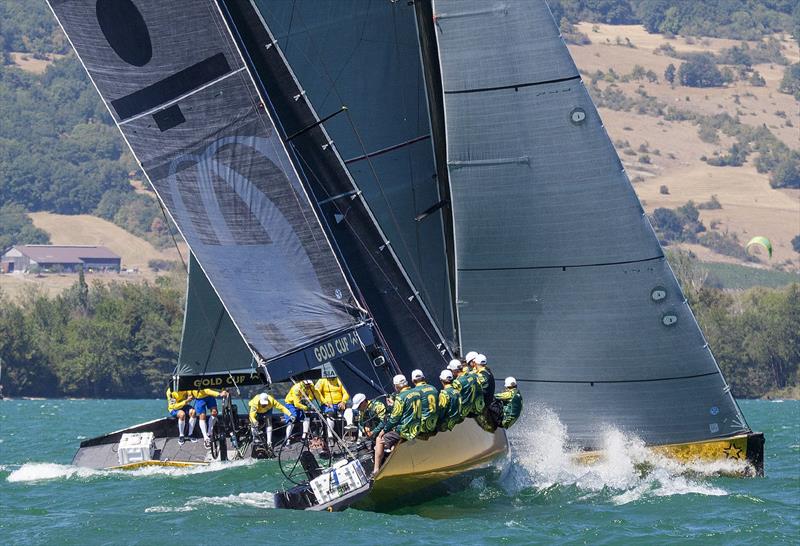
368	182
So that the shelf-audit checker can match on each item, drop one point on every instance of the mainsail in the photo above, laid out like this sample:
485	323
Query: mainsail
177	87
560	278
405	327
365	55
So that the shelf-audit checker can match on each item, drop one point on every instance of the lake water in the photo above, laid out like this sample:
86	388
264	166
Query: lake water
539	497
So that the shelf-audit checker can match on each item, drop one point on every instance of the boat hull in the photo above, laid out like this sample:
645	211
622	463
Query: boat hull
743	447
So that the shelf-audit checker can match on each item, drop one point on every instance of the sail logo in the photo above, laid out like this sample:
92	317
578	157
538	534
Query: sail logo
337	347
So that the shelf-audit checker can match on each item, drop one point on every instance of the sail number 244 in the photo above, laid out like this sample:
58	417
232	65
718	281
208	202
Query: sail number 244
337	347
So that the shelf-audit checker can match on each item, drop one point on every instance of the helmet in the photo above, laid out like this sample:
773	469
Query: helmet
416	375
358	399
446	375
472	355
511	382
263	399
400	380
454	365
480	359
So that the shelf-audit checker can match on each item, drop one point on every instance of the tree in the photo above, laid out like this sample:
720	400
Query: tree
787	173
16	228
669	73
796	243
700	70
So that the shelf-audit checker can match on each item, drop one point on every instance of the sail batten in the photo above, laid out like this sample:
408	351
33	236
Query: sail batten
264	280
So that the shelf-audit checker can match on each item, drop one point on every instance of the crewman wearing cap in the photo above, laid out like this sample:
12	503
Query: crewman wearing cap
298	401
371	415
466	383
485	378
403	422
512	403
428	396
449	403
261	406
333	395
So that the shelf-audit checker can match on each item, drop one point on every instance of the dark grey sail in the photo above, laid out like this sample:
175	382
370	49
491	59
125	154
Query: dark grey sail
404	327
364	54
176	85
560	278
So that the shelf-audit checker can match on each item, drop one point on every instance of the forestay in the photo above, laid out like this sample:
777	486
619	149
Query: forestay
560	278
175	84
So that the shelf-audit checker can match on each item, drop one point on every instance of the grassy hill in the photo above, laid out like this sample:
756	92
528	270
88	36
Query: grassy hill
658	150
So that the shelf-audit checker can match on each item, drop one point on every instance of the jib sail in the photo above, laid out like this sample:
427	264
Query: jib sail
560	277
177	87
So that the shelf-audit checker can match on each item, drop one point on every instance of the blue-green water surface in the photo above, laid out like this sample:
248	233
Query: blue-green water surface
539	497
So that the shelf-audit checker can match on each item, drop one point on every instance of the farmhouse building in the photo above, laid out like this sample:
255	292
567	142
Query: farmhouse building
59	258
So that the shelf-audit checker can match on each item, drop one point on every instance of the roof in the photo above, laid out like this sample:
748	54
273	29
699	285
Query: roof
65	254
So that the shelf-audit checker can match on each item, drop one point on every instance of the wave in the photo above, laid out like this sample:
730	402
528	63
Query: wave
627	471
33	472
262	500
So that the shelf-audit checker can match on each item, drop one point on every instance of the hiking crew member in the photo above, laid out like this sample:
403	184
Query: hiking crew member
178	405
485	378
333	396
207	399
449	403
466	383
403	422
297	402
372	415
261	406
512	403
428	396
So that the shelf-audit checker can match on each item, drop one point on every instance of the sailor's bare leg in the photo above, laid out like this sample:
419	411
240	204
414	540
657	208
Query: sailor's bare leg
192	421
378	454
306	426
181	423
204	426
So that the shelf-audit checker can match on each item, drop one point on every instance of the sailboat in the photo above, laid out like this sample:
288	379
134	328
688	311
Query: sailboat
381	185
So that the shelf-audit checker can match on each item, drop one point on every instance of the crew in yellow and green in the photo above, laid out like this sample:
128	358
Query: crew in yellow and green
428	397
334	397
298	401
403	422
207	399
485	378
512	403
260	415
371	415
449	403
466	383
179	405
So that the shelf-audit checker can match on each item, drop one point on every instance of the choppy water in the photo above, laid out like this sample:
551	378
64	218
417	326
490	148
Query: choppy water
540	498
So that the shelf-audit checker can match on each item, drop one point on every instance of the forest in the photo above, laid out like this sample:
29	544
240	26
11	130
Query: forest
122	340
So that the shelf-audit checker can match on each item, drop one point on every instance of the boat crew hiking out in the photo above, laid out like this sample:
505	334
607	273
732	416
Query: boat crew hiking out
485	378
179	405
466	383
371	415
511	401
449	403
403	422
260	415
428	396
206	399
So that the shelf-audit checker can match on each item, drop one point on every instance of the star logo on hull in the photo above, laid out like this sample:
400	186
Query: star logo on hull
733	452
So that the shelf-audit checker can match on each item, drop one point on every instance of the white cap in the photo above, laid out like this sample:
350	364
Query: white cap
400	380
416	375
446	375
481	359
358	398
472	355
511	382
454	365
263	399
308	381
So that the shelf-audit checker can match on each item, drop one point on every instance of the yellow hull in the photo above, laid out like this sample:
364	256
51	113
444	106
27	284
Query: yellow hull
421	463
142	464
744	447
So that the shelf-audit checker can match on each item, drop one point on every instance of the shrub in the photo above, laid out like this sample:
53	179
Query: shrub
711	204
663	190
787	173
796	243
